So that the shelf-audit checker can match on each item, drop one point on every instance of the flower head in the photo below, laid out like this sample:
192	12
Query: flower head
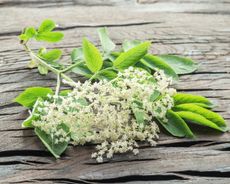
114	115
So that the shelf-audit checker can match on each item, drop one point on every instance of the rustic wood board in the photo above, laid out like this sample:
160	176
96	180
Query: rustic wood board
199	29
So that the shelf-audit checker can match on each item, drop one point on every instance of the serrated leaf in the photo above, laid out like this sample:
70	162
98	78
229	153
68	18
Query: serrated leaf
129	44
55	149
77	54
51	55
49	36
28	97
176	125
212	116
42	70
181	98
132	56
46	26
106	43
181	65
199	119
92	56
155	62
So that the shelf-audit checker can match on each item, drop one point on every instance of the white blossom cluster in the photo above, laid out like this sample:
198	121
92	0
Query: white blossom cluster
114	115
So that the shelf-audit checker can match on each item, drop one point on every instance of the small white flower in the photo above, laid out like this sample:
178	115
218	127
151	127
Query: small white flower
99	159
135	151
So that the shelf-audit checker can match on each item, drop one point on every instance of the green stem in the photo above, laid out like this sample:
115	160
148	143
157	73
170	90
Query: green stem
58	84
93	76
71	66
42	62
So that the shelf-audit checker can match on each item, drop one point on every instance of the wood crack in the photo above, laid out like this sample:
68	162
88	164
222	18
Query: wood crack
15	33
130	178
37	153
24	162
211	174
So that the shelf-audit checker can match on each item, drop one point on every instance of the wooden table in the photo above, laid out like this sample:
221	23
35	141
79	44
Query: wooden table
199	29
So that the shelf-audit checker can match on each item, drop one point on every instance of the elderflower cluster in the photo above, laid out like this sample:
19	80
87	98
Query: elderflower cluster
114	115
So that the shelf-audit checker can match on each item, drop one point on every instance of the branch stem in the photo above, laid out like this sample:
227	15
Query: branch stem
71	66
49	67
58	84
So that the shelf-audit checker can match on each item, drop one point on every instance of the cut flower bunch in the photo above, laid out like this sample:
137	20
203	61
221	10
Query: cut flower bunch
127	94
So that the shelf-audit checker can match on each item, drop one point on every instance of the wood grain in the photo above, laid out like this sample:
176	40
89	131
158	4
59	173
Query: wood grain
198	29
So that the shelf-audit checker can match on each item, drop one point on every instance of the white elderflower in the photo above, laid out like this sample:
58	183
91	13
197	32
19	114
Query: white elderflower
115	115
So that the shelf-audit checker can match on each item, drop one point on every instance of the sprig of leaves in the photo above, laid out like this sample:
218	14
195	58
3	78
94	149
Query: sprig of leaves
104	64
43	33
93	63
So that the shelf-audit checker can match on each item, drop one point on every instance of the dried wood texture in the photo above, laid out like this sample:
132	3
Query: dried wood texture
199	29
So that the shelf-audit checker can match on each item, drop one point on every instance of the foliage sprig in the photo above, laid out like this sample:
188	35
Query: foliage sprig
106	64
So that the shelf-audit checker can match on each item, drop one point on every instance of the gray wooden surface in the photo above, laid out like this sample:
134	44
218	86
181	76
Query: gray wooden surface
196	28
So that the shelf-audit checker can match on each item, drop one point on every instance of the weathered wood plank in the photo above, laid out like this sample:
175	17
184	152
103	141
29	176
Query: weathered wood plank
189	32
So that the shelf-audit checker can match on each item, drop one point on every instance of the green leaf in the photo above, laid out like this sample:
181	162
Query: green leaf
64	92
212	116
181	65
92	56
82	101
30	32
55	149
23	37
175	125
106	43
154	95
49	36
132	56
82	70
28	97
46	26
112	56
155	62
77	54
199	119
141	65
107	64
129	44
139	113
28	122
203	105
140	116
181	98
42	70
51	55
106	74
